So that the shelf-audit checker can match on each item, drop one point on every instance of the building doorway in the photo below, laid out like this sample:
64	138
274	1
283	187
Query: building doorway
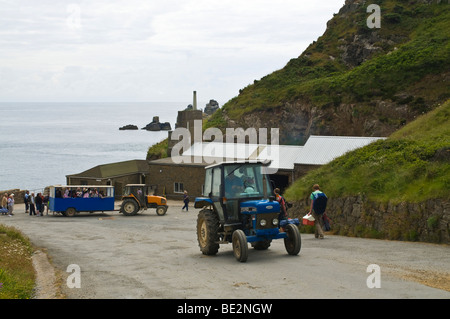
280	181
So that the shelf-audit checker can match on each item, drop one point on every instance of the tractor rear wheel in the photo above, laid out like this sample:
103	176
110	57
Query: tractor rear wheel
293	242
240	246
208	232
129	207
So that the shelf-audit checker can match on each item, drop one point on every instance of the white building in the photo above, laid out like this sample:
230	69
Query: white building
288	162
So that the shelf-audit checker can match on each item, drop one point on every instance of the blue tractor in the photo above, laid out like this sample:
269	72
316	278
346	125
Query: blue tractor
238	208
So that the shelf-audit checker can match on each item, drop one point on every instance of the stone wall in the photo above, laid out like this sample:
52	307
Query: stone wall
428	221
164	176
19	195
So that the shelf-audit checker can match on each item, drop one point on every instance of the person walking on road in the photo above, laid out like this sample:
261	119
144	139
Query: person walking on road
318	206
32	204
11	205
4	206
26	200
280	199
5	201
186	201
39	203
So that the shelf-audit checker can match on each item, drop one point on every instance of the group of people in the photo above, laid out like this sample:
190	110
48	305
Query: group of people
7	207
78	193
317	209
35	204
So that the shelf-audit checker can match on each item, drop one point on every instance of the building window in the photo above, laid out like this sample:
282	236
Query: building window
206	189
216	182
178	188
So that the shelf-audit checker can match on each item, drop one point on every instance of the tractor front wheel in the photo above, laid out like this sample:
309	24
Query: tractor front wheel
293	242
161	210
240	246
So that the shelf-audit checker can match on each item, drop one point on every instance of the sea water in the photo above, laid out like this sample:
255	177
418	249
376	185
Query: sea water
41	143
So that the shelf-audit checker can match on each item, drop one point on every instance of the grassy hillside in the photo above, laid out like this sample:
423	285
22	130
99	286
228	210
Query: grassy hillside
406	62
412	165
158	150
17	275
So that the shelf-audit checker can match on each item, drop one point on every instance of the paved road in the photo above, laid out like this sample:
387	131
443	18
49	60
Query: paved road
148	256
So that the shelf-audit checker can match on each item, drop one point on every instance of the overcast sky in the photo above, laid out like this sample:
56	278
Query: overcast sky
147	50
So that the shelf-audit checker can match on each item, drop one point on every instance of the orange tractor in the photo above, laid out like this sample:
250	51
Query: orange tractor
137	197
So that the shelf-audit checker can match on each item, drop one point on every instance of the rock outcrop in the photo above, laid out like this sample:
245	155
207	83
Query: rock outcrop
156	125
211	107
129	127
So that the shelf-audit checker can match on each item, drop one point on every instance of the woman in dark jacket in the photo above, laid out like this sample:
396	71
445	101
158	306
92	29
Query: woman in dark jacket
39	206
186	201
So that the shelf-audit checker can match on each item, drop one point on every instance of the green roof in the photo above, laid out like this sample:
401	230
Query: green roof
115	169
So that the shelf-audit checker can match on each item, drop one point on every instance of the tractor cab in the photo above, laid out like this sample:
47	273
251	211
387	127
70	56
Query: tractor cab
229	185
238	207
138	191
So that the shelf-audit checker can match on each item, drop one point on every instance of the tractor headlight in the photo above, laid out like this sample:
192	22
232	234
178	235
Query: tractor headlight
263	222
275	221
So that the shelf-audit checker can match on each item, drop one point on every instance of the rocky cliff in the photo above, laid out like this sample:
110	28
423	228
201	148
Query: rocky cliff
396	188
354	80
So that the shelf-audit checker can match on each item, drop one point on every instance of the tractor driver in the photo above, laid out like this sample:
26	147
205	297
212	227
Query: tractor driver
233	186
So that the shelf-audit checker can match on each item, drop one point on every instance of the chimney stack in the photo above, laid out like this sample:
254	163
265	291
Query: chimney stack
195	101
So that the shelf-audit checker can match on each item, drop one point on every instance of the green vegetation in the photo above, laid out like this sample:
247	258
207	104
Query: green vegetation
17	276
159	150
412	50
412	165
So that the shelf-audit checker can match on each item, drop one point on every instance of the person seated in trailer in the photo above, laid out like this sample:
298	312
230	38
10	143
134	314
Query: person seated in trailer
94	193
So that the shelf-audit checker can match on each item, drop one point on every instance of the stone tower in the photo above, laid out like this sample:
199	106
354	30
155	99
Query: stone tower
186	119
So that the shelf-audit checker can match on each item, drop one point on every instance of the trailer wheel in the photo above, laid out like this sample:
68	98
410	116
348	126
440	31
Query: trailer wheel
240	246
293	242
129	207
70	212
161	210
